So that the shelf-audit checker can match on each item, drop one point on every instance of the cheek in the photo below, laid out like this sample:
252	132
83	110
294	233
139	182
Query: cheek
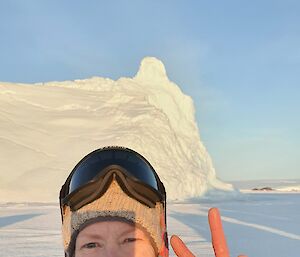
145	250
93	253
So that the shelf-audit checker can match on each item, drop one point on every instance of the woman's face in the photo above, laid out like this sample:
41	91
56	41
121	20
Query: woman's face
113	239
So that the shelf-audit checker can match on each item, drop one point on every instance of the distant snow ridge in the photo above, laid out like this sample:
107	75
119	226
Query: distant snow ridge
292	188
46	128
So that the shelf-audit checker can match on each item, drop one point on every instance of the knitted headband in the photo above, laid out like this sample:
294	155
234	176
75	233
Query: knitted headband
114	203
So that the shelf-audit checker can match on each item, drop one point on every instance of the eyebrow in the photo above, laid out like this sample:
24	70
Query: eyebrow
97	236
92	236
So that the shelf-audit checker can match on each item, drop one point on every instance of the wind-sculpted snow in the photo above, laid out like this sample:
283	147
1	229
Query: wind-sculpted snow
46	128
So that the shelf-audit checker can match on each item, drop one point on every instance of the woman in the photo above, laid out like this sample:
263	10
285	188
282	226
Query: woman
114	204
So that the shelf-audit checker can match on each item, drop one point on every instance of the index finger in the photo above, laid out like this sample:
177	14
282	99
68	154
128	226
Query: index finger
217	233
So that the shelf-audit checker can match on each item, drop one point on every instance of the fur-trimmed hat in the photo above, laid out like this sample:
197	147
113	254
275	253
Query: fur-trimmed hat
115	203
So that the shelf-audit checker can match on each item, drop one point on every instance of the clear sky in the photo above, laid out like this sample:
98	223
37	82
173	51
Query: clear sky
239	60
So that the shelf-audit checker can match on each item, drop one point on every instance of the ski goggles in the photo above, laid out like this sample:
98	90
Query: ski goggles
92	176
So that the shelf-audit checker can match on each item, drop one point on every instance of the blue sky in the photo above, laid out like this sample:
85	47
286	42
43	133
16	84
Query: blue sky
239	60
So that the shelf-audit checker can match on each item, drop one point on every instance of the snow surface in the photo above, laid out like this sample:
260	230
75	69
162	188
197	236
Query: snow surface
46	128
259	225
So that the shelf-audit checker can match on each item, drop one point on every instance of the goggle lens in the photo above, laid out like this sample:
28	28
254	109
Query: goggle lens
91	166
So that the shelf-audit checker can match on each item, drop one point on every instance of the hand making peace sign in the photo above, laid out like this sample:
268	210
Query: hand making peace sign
217	234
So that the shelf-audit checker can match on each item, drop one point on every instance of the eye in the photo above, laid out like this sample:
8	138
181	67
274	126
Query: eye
129	240
91	245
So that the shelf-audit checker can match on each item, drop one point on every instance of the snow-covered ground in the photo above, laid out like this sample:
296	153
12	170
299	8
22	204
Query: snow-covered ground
259	225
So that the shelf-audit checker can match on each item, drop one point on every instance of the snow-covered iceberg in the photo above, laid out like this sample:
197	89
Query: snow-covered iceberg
46	128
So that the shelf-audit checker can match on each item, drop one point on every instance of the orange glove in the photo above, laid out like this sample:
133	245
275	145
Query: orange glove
217	234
